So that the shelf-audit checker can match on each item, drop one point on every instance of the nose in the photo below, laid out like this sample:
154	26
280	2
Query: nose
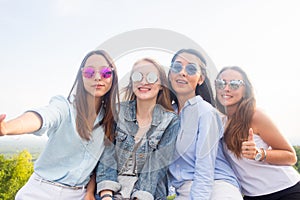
183	72
226	88
144	81
97	75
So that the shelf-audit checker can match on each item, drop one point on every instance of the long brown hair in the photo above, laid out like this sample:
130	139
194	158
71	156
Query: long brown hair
237	129
163	97
83	124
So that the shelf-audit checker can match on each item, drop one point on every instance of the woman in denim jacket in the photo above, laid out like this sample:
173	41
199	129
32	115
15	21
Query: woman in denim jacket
145	138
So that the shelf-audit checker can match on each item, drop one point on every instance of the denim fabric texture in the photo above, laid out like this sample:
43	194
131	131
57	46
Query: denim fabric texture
152	157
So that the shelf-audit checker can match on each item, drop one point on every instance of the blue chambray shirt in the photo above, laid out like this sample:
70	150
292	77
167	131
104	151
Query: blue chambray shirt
196	147
223	169
67	158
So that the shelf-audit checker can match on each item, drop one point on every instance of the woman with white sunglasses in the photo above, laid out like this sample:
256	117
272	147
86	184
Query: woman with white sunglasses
145	138
258	152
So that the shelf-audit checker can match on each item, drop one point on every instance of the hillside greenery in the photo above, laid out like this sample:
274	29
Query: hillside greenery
14	172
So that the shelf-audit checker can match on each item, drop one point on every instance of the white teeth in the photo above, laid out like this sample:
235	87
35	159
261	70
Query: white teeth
144	89
226	96
181	81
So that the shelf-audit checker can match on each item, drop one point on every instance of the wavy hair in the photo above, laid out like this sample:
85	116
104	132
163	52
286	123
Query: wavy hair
163	97
237	129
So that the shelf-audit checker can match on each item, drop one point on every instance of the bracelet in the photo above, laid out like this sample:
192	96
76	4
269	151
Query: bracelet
265	154
107	195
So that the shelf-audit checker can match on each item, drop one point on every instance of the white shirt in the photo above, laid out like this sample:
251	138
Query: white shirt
261	178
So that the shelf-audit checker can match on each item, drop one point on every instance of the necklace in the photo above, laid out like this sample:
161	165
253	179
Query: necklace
143	123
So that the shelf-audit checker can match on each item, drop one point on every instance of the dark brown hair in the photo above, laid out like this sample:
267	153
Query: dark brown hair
205	89
83	124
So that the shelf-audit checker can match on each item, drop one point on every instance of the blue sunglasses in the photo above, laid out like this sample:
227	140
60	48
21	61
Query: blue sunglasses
191	69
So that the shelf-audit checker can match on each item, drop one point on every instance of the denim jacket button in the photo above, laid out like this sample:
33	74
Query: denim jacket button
141	156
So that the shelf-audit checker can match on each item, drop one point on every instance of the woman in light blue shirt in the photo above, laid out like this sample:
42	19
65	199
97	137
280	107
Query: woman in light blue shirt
200	170
76	127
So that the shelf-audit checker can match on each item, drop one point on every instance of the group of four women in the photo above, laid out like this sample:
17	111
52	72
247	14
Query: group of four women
166	134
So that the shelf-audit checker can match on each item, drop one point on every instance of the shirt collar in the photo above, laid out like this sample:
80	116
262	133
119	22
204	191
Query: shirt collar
130	113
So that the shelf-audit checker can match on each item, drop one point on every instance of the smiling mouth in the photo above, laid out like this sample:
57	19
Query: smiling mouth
144	89
226	96
181	82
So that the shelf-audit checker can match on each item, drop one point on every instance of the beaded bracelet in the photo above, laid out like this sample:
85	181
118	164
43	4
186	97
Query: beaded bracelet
107	195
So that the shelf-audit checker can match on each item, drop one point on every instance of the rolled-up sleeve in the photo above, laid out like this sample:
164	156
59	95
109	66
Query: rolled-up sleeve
106	173
52	115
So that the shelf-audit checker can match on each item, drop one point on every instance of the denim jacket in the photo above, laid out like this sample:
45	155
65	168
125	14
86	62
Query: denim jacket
152	157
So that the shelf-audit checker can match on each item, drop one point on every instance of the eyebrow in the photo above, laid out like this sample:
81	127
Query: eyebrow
188	63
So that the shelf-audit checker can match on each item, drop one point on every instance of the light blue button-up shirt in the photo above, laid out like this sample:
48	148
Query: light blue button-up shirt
67	158
196	147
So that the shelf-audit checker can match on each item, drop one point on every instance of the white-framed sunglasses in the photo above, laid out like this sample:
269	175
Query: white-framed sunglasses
232	84
151	77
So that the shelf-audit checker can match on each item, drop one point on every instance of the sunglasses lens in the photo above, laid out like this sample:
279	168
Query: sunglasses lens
152	77
88	72
176	67
106	72
136	77
191	69
235	84
220	84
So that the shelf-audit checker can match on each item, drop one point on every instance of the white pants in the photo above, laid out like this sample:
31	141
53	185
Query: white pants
222	190
184	191
37	190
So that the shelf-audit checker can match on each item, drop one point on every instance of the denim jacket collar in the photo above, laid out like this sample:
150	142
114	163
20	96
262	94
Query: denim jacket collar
130	113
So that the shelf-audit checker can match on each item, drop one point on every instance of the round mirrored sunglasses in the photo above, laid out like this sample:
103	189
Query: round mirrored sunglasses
191	68
151	77
90	72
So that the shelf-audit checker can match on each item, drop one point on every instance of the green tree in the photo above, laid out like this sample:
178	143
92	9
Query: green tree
14	173
297	165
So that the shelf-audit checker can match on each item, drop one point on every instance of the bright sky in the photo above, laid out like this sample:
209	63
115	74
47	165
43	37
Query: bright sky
43	43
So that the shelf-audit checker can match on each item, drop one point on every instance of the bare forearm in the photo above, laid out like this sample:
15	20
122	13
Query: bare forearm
90	190
281	157
92	184
25	123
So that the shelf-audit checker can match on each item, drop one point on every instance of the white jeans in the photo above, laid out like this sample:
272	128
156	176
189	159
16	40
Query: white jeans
184	191
38	190
222	190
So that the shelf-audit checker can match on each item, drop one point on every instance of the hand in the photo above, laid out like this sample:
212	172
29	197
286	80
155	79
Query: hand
249	148
2	125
